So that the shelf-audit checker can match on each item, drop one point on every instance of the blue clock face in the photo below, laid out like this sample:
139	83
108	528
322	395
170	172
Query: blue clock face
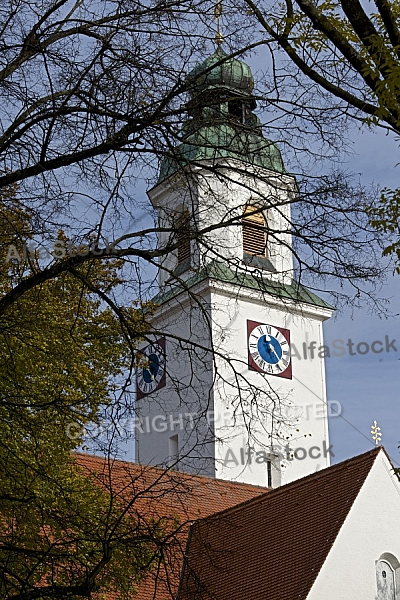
151	375
269	349
152	369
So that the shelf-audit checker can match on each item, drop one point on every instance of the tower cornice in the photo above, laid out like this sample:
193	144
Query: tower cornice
211	168
217	277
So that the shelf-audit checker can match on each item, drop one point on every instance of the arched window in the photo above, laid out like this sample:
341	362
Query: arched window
183	238
254	231
387	572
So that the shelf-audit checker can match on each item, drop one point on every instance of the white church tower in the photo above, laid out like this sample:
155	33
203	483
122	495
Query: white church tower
233	379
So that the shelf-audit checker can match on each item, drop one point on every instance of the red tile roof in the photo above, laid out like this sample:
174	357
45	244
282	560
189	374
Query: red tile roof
273	546
179	497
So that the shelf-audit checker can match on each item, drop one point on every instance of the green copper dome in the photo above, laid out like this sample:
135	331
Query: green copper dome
232	73
221	123
222	141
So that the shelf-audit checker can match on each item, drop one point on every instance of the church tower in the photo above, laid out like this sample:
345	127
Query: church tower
233	380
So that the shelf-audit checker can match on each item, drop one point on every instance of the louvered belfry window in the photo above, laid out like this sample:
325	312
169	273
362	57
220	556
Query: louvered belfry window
254	231
183	238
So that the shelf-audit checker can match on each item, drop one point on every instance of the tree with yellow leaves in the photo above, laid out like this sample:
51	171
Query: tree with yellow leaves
62	354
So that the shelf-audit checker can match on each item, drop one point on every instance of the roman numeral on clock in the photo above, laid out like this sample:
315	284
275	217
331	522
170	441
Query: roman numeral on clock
269	349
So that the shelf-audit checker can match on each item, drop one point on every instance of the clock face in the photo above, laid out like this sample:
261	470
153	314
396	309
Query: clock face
269	349
151	376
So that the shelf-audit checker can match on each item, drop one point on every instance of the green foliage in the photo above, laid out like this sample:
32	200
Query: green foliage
62	354
386	218
351	50
62	536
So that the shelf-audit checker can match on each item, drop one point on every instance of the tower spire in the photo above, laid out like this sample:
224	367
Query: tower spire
219	38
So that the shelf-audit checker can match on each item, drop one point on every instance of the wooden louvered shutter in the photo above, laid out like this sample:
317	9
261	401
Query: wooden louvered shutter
254	232
183	238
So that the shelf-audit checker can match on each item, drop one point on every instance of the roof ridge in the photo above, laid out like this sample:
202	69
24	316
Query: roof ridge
297	483
312	508
182	474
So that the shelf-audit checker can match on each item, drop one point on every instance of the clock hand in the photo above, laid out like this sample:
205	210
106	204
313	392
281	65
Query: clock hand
152	377
271	347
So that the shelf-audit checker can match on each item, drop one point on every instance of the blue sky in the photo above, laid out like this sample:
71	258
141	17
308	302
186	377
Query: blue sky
368	386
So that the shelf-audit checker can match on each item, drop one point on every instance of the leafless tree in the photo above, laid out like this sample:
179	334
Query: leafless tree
94	95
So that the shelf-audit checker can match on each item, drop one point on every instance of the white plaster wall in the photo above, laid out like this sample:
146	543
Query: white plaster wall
371	529
170	199
223	200
276	410
219	200
234	395
181	406
216	383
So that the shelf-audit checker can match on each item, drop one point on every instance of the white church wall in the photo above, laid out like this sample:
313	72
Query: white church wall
370	531
234	398
219	201
171	200
222	200
287	415
181	406
200	382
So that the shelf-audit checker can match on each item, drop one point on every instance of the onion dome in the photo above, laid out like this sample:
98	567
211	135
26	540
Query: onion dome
232	74
221	123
